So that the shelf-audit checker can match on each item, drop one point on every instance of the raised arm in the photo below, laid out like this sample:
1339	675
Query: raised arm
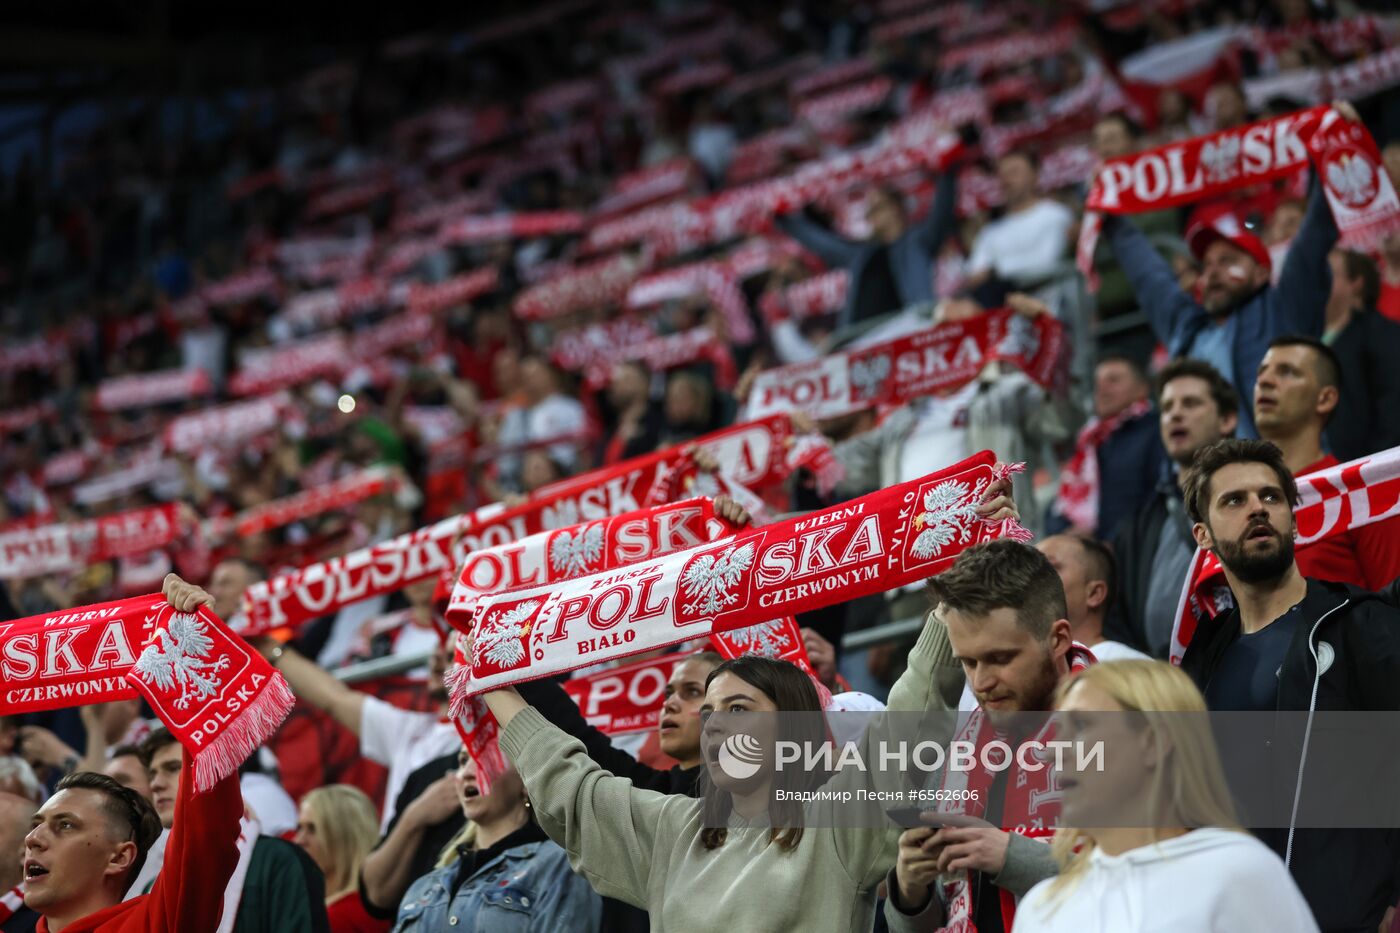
310	682
1305	281
608	827
1173	314
200	857
930	232
558	707
387	872
832	248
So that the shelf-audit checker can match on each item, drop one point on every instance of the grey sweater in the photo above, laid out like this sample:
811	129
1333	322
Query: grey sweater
644	848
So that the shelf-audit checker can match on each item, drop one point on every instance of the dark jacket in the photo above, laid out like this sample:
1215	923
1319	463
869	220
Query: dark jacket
1294	306
1129	460
1348	876
284	891
1367	417
910	257
1135	548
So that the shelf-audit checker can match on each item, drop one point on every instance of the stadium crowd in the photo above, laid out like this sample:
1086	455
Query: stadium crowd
473	274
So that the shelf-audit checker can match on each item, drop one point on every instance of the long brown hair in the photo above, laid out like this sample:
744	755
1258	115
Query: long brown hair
792	691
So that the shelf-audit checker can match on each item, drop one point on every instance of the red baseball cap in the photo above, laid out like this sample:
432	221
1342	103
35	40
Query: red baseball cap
1226	226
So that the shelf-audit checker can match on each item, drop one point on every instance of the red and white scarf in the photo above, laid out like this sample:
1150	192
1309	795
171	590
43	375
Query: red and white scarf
339	494
157	388
65	546
939	359
882	541
659	354
605	544
12	900
227	425
1359	191
1330	502
1030	807
592	286
755	452
215	693
622	700
281	367
1078	499
820	294
460	289
510	226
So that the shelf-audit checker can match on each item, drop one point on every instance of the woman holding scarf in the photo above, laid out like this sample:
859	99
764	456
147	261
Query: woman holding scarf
715	863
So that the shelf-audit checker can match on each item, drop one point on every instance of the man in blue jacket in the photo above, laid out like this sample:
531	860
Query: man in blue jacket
1238	312
894	268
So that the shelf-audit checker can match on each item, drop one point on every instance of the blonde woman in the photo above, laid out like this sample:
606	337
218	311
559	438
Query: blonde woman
1166	852
337	826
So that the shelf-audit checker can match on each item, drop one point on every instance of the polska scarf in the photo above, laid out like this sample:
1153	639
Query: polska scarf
881	541
1078	499
1330	502
939	359
66	546
155	388
551	556
755	452
316	500
214	693
1359	191
1030	807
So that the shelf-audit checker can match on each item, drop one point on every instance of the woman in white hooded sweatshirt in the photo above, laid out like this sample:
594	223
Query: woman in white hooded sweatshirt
1181	862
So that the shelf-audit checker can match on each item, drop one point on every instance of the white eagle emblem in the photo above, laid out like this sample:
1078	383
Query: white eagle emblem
1221	159
570	554
1021	339
766	639
499	639
177	657
868	375
708	581
1353	180
950	509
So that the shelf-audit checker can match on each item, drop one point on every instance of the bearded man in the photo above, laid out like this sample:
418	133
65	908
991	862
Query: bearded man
1293	644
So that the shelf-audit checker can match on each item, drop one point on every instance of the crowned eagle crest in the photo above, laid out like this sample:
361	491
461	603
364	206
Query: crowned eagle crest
1021	338
766	639
949	513
499	640
1221	159
177	657
708	581
868	375
571	553
1353	179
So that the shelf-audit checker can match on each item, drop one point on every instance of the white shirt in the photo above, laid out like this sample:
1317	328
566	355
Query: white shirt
1117	651
275	809
939	437
402	741
1207	880
1023	246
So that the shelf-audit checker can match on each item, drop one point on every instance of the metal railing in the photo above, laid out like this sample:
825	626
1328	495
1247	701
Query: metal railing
387	667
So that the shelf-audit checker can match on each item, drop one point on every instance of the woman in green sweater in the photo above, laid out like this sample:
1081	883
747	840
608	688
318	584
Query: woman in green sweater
760	872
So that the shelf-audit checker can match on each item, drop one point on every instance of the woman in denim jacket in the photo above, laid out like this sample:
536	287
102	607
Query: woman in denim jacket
501	874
